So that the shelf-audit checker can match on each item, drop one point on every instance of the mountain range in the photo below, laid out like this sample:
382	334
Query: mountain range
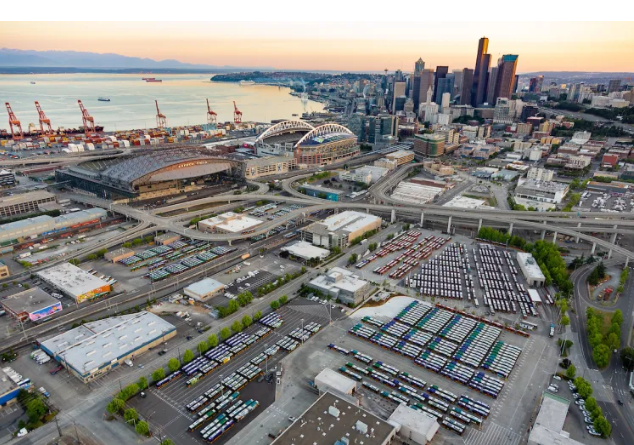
74	59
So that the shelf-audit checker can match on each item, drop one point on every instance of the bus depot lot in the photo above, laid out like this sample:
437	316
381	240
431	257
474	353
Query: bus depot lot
510	412
167	405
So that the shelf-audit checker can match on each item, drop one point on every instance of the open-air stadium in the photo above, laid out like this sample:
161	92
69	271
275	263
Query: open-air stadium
132	176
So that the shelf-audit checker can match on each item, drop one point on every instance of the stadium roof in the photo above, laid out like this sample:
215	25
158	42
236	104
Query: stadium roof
284	127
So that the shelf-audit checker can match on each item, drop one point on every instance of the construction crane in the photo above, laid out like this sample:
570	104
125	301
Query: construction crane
44	121
161	120
211	116
237	114
87	119
18	134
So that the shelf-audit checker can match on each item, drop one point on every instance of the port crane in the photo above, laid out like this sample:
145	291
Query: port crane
237	114
44	121
87	119
211	116
13	121
161	119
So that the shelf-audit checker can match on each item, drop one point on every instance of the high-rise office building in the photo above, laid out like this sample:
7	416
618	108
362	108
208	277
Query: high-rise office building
399	90
425	82
504	86
467	84
483	62
444	102
614	86
516	84
457	83
493	78
398	76
445	85
441	73
535	84
574	91
419	66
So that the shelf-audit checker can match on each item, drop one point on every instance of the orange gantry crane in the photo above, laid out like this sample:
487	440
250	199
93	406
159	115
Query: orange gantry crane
237	114
211	116
13	121
87	119
44	121
161	119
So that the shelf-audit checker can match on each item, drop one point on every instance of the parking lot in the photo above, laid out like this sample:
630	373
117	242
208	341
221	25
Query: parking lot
606	202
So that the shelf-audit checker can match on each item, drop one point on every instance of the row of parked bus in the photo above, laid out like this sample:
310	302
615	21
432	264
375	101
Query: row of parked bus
403	241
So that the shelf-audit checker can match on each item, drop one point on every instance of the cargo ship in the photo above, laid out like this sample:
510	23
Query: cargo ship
104	99
152	79
246	83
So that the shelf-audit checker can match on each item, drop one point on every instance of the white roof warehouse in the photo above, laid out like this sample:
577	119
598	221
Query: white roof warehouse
74	282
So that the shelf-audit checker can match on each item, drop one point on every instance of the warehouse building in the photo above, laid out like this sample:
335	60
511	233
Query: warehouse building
367	174
401	157
319	191
167	238
95	348
74	282
24	203
4	270
31	304
119	254
549	423
530	269
18	231
7	178
413	193
334	420
10	385
229	222
340	229
414	426
342	285
305	251
205	290
542	191
335	382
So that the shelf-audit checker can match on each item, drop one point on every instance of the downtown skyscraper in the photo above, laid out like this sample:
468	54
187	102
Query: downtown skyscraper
480	73
507	65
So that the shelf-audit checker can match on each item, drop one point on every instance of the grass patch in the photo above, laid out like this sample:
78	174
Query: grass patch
606	318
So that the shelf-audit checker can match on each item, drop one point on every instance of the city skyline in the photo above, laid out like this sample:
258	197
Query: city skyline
565	46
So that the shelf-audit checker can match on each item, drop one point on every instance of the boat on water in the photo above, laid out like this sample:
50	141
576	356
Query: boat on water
32	83
152	79
104	99
246	83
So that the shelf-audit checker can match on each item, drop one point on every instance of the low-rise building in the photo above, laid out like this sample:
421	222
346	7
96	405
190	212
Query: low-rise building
549	423
330	381
7	178
319	191
464	202
355	176
305	251
167	238
340	229
228	222
609	160
432	145
416	427
205	290
531	270
626	174
389	164
342	285
11	383
540	174
96	347
31	304
24	203
272	165
416	193
542	191
119	254
74	282
401	156
4	270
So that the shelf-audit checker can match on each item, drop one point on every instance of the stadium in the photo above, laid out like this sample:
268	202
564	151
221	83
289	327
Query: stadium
310	145
151	173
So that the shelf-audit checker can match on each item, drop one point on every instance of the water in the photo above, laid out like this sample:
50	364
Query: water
181	98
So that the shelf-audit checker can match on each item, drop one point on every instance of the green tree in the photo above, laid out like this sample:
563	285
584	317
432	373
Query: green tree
372	247
275	305
137	242
127	392
602	426
591	404
246	321
188	356
130	415
565	320
143	428
35	409
202	347
143	384
257	316
617	317
225	333
601	355
583	387
236	327
167	442
115	406
233	306
212	341
92	257
283	300
159	374
127	244
353	258
173	364
73	261
612	341
571	372
627	357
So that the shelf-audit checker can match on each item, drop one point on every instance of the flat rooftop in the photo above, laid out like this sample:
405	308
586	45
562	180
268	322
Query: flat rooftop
94	344
321	188
349	221
29	301
530	265
317	427
548	428
6	384
548	186
306	250
203	287
231	222
339	278
71	279
25	197
464	202
399	154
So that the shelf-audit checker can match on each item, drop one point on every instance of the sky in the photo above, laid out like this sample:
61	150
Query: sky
354	46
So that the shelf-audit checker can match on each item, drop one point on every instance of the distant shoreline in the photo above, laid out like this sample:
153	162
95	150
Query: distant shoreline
40	70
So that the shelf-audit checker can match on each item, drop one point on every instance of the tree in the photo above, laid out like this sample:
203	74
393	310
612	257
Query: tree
372	247
127	244
627	357
92	257
617	317
583	387
570	372
591	404
137	241
188	356
35	409
142	428
212	341
602	426
73	261
173	364
142	383
225	333
129	391
283	300
353	258
130	415
202	347
115	406
565	320
246	321
257	316
601	355
167	442
275	305
236	327
159	374
612	341
232	307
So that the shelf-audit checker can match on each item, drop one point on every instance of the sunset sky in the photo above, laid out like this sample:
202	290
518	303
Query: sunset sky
371	46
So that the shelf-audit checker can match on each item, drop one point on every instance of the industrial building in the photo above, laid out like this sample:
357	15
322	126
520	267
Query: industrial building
4	270
464	202
367	174
414	426
31	304
10	385
167	238
342	285
18	231
340	229
549	423
7	178
542	191
270	165
330	381
319	191
94	348
334	420
119	254
205	290
401	157
150	173
305	251
24	203
530	269
74	282
229	222
416	193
